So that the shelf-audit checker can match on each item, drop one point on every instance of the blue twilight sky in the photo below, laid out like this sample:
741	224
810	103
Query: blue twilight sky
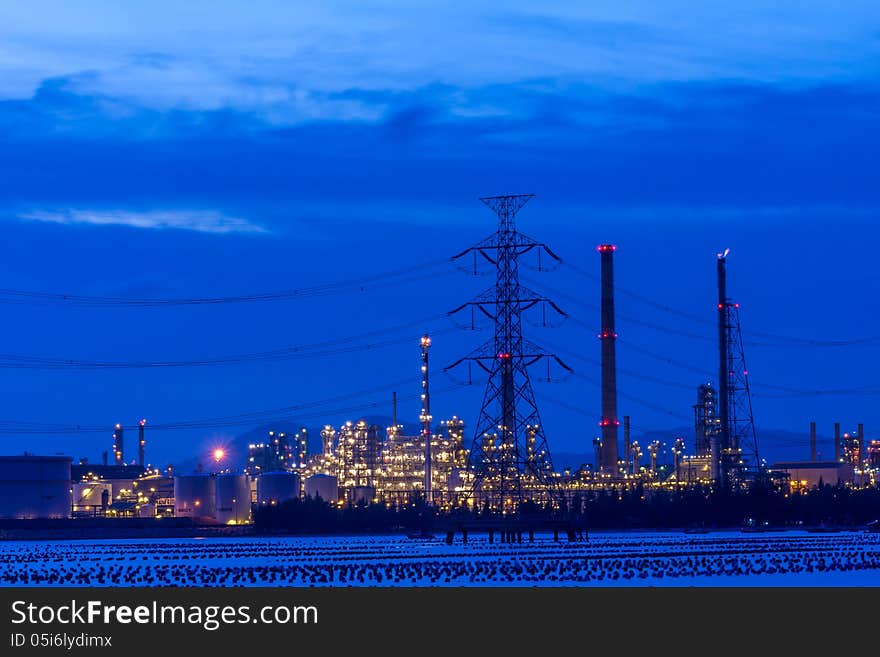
166	149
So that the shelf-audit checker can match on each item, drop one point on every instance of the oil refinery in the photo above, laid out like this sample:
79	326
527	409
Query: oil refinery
502	463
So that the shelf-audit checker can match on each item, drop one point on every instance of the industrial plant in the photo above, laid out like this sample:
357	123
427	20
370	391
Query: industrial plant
499	464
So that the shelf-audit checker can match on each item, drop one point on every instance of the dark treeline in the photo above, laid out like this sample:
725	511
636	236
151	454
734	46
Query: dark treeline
760	506
831	506
315	516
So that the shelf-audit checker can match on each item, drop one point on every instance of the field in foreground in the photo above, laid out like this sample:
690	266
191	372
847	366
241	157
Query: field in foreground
616	559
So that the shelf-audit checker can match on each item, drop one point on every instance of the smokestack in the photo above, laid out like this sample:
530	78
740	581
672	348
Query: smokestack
394	411
141	442
118	445
608	337
837	441
626	441
104	457
722	457
812	441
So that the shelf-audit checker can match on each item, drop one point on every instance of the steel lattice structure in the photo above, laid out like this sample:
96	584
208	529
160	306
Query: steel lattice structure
509	456
738	449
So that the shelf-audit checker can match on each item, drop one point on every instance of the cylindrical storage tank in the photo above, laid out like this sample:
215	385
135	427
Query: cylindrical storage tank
324	486
233	498
88	496
195	496
35	486
276	487
362	494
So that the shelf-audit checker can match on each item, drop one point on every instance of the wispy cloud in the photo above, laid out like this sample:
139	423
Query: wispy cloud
203	221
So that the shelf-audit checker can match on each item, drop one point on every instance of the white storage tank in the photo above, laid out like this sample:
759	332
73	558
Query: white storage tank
195	496
276	487
88	496
35	486
324	486
233	498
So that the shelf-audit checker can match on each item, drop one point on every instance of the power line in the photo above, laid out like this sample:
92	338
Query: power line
868	390
639	400
786	392
621	370
13	427
633	320
313	350
706	374
13	296
646	300
778	339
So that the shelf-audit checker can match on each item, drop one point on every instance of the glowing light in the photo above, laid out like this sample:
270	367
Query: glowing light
219	454
503	355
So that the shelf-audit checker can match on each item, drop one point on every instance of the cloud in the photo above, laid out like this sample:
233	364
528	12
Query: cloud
285	63
202	221
727	144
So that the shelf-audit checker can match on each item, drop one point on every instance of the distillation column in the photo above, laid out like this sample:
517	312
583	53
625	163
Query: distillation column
119	445
425	418
142	443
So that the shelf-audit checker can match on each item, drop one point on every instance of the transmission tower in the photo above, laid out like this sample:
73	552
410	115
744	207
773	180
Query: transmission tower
509	456
738	442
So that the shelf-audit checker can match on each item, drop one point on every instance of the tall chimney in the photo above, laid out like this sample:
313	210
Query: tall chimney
812	441
608	338
722	458
837	441
141	442
626	442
